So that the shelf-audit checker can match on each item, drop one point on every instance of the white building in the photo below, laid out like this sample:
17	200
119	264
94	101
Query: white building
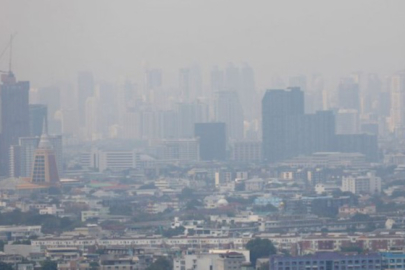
52	210
369	184
116	160
215	260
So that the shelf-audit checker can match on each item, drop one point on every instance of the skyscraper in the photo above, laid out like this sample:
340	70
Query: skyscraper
217	80
212	140
228	109
50	96
397	117
190	83
247	92
85	89
277	107
349	94
14	99
38	114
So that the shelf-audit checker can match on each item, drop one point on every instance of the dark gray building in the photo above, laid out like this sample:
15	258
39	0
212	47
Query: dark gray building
278	107
326	261
14	111
212	140
288	132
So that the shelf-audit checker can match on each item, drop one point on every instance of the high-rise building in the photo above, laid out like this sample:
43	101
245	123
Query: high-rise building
277	107
217	80
247	92
14	113
50	96
85	89
188	114
288	132
153	78
45	169
228	109
397	116
38	114
349	94
190	83
212	139
92	117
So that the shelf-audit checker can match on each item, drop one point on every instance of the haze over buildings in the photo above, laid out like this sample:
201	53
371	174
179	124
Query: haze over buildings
222	135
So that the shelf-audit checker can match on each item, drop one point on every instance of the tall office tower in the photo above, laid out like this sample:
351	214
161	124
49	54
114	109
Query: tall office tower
217	80
212	140
68	99
277	107
184	84
370	97
153	78
14	113
45	169
131	125
309	133
315	94
169	124
247	92
150	124
85	89
188	114
347	122
108	107
228	109
348	94
23	155
186	119
50	96
397	117
232	78
38	115
69	122
91	119
190	83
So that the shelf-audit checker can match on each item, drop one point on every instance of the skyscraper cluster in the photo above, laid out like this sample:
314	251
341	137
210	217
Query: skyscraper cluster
288	132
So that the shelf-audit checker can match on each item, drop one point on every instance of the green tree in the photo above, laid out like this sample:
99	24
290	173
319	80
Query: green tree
2	243
49	265
260	248
161	263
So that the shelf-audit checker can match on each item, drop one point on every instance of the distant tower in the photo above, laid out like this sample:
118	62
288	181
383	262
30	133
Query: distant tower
14	116
45	169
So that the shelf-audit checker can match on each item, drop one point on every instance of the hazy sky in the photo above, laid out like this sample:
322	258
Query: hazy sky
119	37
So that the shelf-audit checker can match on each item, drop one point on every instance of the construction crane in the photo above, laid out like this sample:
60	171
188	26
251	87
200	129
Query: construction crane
10	47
